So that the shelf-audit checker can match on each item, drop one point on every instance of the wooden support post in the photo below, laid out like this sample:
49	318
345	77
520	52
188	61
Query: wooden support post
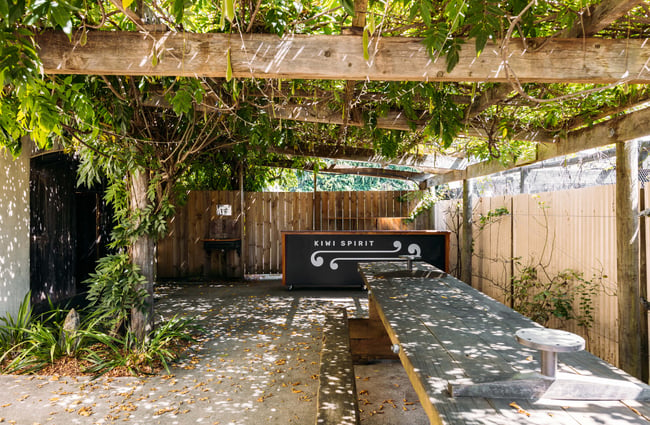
466	230
432	213
242	221
643	289
316	211
627	243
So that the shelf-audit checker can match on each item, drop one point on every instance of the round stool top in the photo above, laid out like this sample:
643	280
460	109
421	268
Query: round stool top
550	340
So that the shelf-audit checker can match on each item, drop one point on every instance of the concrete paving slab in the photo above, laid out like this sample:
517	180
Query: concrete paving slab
386	396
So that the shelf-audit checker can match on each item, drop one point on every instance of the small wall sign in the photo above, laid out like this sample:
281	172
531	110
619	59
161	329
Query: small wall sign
224	209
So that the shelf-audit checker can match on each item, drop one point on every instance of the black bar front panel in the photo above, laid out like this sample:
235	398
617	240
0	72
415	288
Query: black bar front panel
324	259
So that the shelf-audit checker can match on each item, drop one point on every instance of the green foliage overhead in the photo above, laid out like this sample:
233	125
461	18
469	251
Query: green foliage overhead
45	108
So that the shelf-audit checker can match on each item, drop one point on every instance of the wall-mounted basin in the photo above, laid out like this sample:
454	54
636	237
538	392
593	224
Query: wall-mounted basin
423	274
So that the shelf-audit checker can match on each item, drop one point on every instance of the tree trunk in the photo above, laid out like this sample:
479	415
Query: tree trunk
142	254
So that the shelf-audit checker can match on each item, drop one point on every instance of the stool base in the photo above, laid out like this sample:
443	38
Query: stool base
533	386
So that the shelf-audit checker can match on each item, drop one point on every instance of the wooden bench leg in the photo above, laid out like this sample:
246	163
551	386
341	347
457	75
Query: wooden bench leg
337	395
369	339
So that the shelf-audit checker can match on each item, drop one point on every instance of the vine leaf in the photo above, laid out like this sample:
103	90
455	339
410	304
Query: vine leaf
228	66
348	5
425	11
366	41
178	9
229	9
484	21
126	3
63	18
453	53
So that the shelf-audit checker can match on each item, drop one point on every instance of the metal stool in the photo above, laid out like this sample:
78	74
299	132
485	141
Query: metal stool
550	383
550	342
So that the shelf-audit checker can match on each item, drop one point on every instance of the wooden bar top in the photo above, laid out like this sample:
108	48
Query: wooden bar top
449	332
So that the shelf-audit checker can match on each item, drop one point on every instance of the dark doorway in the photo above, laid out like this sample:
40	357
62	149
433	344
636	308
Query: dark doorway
70	228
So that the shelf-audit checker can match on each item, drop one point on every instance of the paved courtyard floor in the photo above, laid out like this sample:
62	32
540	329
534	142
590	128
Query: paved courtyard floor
257	363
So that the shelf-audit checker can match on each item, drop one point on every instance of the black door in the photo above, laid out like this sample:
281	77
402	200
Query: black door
69	228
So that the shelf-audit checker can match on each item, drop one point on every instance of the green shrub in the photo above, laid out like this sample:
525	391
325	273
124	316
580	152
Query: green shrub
12	329
159	348
116	288
555	296
44	341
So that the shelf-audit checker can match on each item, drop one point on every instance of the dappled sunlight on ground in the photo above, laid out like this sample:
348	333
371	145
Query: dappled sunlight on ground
257	362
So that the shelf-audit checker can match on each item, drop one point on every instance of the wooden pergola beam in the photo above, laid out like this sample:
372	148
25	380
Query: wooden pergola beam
587	25
357	171
393	120
593	61
628	127
432	164
379	172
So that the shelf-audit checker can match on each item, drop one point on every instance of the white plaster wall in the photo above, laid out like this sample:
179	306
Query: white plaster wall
14	230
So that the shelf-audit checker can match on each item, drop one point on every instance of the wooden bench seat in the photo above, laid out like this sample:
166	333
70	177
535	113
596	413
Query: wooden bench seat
337	398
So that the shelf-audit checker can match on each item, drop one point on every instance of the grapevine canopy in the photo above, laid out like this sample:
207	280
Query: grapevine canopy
455	89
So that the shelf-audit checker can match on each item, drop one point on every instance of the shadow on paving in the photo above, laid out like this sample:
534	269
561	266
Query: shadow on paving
258	362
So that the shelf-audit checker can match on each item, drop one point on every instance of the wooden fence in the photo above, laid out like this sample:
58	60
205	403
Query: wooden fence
554	231
266	215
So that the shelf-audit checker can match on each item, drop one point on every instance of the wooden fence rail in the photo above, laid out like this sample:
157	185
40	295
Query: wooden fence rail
265	216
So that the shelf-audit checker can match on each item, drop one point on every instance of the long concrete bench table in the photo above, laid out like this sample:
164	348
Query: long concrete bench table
446	333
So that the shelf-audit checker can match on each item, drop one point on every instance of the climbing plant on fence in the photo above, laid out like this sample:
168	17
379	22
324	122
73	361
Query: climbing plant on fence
537	290
531	285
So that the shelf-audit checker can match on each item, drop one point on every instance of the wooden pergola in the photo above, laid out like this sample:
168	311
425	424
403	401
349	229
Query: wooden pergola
579	54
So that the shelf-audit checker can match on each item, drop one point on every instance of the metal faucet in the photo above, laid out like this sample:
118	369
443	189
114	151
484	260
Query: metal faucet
409	260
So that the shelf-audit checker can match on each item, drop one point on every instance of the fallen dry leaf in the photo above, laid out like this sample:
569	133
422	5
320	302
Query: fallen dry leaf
163	411
519	409
264	397
85	411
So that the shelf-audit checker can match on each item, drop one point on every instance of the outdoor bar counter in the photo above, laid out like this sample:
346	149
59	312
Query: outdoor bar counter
329	258
451	337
